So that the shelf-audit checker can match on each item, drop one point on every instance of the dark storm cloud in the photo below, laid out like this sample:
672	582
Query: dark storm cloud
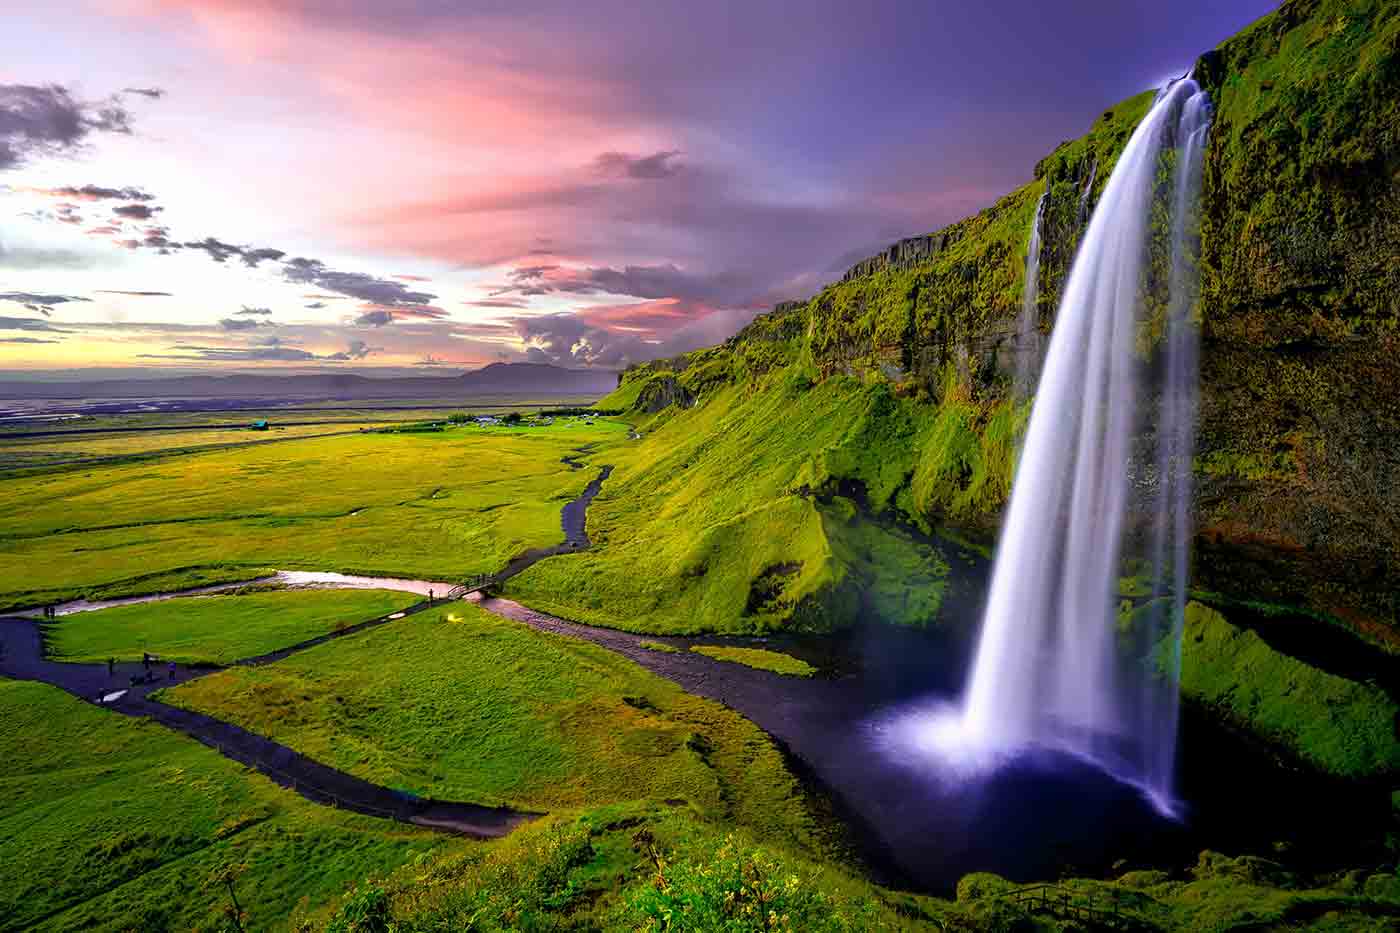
117	291
357	350
219	251
96	193
41	303
234	354
656	165
568	339
263	350
315	305
251	257
42	120
367	288
251	310
375	318
661	281
154	93
26	340
136	211
29	323
214	248
243	323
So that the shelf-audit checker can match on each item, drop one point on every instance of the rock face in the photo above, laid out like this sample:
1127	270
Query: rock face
1298	470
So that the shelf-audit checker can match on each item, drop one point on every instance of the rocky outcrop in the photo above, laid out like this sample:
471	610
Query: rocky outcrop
661	393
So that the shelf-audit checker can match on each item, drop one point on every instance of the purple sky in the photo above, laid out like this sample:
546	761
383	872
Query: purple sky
455	183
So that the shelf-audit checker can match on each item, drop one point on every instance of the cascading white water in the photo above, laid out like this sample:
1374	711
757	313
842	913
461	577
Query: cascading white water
1028	332
1052	666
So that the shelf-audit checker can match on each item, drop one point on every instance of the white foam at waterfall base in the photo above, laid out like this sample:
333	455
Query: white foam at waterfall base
1051	668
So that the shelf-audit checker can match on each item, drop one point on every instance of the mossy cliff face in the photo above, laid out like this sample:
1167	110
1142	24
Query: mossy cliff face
1298	471
1301	297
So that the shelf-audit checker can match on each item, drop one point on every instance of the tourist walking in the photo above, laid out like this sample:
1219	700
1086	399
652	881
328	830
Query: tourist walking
171	670
111	666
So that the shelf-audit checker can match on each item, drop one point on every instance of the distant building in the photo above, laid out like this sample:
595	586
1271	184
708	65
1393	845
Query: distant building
259	426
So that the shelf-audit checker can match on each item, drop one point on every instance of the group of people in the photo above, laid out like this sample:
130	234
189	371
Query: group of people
148	661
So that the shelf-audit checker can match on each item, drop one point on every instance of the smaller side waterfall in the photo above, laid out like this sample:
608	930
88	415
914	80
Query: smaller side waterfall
1028	331
1055	665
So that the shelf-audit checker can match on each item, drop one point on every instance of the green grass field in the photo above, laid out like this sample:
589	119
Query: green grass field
760	658
217	629
439	505
53	452
459	704
114	824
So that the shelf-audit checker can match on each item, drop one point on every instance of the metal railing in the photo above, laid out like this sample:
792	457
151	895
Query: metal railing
478	582
1103	910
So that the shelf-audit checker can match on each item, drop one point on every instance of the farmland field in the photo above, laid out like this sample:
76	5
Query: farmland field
216	629
441	505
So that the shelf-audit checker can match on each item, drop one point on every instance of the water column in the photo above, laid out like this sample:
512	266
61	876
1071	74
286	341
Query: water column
1049	669
1028	331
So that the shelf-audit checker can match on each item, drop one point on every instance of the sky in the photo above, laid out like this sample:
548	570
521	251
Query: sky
433	185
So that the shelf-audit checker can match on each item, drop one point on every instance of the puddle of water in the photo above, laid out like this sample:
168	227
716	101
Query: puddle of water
297	578
351	582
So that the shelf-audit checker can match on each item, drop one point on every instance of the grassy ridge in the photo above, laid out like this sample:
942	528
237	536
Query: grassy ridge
459	704
737	515
1338	725
108	823
216	629
433	505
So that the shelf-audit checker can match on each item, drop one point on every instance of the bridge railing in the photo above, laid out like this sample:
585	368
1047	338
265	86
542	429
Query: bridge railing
476	583
1100	908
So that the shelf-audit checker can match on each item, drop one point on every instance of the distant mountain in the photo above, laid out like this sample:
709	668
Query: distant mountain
495	379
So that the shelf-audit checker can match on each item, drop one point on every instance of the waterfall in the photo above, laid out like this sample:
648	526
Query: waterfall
1053	666
1028	333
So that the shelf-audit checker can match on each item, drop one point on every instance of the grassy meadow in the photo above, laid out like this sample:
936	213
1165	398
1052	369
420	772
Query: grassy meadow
216	629
56	451
442	505
459	704
114	824
759	658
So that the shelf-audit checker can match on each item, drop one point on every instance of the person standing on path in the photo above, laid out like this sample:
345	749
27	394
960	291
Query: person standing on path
111	666
171	671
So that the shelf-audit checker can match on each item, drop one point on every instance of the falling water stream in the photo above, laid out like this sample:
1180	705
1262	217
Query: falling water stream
1054	667
1028	331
